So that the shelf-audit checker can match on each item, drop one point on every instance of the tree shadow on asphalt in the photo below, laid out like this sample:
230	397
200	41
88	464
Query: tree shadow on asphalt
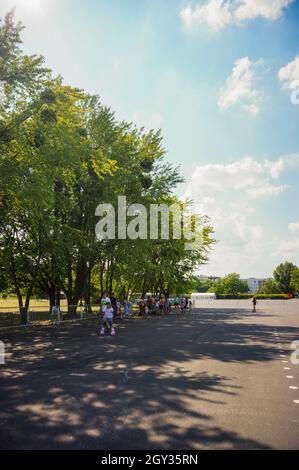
106	407
145	389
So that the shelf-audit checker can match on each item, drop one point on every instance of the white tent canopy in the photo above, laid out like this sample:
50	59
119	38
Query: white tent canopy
199	298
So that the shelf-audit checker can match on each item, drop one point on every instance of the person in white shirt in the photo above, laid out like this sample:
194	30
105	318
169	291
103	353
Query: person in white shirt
107	324
105	300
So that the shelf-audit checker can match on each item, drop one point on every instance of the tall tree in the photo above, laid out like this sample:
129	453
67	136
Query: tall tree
295	280
283	275
62	154
230	285
269	286
22	81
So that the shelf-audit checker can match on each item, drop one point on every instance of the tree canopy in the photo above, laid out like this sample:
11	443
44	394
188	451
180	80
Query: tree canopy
269	286
283	276
62	153
295	280
229	285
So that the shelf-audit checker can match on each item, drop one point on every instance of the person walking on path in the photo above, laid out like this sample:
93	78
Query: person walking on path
254	302
183	304
177	304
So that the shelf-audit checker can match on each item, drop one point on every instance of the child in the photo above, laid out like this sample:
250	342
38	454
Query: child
182	304
141	307
176	304
149	305
119	312
157	305
127	308
108	320
56	313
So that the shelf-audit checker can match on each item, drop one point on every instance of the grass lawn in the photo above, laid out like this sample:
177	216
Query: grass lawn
41	305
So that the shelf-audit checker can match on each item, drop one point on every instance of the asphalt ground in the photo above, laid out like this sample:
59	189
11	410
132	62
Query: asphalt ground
218	378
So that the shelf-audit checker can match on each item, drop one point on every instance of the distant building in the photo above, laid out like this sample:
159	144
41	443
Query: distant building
254	284
202	277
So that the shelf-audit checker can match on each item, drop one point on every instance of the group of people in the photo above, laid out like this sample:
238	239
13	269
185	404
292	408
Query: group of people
163	305
151	305
109	309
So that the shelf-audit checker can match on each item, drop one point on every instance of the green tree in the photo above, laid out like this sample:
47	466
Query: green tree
203	285
62	154
229	285
283	275
22	81
295	280
269	286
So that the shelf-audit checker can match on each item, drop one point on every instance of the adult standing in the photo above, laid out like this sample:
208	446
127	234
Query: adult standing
254	302
114	304
177	304
149	303
105	300
183	304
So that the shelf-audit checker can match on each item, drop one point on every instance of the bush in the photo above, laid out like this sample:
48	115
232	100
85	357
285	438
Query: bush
249	296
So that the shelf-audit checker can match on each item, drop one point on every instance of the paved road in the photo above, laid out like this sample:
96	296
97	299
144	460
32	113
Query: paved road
217	379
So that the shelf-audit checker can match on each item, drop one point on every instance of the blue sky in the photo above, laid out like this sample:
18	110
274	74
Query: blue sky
217	77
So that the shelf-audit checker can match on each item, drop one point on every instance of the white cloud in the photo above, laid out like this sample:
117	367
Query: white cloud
252	9
218	14
251	108
153	120
289	75
246	175
267	190
230	195
239	87
283	164
215	13
294	227
288	250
